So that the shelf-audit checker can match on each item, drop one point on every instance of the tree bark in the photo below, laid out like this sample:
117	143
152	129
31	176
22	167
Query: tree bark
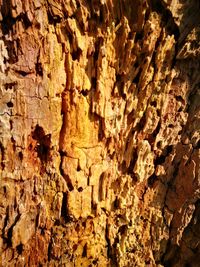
99	133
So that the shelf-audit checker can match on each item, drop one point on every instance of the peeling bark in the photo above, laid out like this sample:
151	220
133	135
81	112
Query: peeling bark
99	133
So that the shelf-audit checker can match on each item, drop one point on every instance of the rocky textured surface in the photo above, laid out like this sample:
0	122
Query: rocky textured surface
99	133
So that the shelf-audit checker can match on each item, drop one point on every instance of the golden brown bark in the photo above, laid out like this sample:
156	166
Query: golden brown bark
99	133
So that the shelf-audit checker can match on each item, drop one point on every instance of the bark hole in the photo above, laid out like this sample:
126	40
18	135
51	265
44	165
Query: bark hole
43	143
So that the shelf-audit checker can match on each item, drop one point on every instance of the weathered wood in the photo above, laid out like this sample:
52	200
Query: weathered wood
99	133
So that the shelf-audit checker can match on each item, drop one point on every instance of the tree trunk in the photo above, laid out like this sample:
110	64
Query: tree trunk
99	133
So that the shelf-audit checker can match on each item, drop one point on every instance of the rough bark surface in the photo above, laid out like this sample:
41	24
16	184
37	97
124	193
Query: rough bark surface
99	133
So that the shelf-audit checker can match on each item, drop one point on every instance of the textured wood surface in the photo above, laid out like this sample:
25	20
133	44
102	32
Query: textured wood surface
99	133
